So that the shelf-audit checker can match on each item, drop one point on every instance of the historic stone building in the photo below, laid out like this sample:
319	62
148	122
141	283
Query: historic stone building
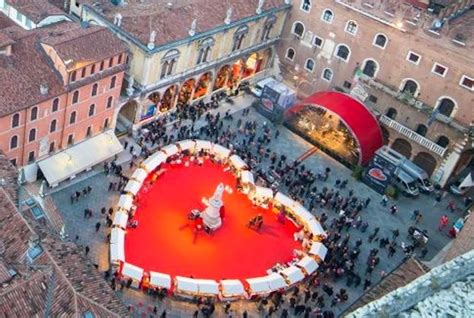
410	62
59	88
186	51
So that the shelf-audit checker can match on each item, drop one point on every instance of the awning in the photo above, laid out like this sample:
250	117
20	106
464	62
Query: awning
77	158
319	250
237	162
246	177
293	274
139	175
467	182
308	264
186	144
316	228
133	187
154	161
232	287
132	271
117	253
117	236
203	145
220	151
170	150
187	285
160	280
263	193
120	219
125	202
282	199
208	287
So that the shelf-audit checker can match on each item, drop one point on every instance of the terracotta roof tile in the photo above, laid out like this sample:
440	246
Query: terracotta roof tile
35	10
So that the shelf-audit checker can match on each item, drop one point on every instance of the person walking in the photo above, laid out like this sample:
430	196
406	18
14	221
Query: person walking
443	222
97	227
418	218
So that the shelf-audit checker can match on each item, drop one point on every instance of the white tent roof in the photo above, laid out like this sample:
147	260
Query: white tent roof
139	175
160	280
246	177
186	144
117	236
467	182
77	158
264	193
133	187
293	274
185	284
208	286
120	219
117	253
275	281
237	162
309	264
302	213
125	202
318	249
316	228
232	287
221	151
132	271
203	145
154	161
170	150
259	285
285	200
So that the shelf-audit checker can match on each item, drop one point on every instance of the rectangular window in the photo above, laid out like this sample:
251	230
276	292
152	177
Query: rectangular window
13	161
467	82
439	69
373	99
83	73
347	84
70	140
414	58
51	147
317	41
31	157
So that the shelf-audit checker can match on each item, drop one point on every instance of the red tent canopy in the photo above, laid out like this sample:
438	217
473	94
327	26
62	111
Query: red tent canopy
355	115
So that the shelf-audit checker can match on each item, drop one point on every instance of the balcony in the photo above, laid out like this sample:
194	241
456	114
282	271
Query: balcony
419	139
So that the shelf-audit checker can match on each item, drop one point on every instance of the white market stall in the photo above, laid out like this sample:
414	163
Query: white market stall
133	187
160	280
120	219
117	253
125	202
170	150
220	151
203	145
285	201
292	275
247	181
154	161
207	287
258	285
302	214
316	229
261	196
139	175
308	264
187	144
319	250
231	288
237	162
186	286
117	236
275	281
133	272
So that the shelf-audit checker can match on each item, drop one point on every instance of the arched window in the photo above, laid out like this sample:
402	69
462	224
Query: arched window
239	37
305	5
309	65
421	129
290	53
94	89
15	120
343	52
410	87
327	74
55	105
73	76
267	28
101	68
391	113
370	68
327	16
106	123
32	135
298	29
204	49
91	110
380	40
113	81
75	97
351	27
110	101
34	113
443	141
14	142
168	62
52	126
446	106
72	118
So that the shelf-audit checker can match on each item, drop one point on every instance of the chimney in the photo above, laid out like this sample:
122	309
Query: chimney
44	89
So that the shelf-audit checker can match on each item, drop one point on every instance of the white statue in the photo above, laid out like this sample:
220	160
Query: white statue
211	216
151	41
192	31
260	6
228	17
130	89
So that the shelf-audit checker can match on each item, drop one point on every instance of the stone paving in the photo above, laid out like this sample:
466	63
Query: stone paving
293	147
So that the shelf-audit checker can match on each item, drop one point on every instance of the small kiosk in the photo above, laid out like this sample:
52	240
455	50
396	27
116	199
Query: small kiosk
133	272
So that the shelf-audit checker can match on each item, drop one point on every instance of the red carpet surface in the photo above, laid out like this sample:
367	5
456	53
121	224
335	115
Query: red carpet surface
165	240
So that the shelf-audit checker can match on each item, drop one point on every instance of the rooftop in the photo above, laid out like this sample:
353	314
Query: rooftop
172	19
59	281
36	10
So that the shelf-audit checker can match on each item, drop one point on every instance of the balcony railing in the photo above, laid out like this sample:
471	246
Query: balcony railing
419	139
